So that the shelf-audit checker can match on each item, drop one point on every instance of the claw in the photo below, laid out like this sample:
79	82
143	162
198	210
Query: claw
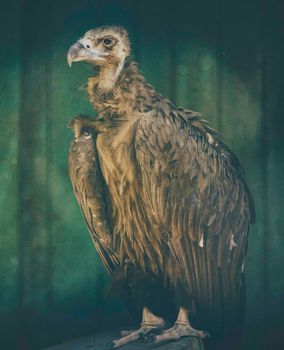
147	335
206	334
151	326
150	335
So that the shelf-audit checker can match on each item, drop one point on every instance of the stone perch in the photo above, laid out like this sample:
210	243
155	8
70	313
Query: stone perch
100	342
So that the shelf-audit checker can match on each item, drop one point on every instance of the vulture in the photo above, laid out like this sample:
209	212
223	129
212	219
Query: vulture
163	197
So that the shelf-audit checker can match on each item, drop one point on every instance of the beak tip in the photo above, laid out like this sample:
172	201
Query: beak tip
74	53
69	61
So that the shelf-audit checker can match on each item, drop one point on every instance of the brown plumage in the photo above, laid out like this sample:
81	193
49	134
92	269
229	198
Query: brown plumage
159	189
90	190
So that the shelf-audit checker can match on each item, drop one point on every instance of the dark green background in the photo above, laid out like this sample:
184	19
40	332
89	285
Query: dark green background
223	58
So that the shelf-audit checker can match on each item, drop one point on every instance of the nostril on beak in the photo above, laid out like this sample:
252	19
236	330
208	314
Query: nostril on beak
80	45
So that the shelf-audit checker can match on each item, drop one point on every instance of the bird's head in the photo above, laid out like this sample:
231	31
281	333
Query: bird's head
104	46
82	126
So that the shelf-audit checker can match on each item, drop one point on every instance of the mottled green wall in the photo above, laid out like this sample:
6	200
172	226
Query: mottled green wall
223	58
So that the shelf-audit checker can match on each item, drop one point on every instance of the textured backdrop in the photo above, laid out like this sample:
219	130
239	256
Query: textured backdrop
223	58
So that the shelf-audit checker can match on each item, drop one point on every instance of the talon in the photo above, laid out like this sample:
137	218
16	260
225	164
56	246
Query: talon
149	339
182	328
151	326
179	331
150	336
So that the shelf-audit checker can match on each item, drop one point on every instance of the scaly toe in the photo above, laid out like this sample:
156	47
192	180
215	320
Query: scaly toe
125	333
179	331
143	333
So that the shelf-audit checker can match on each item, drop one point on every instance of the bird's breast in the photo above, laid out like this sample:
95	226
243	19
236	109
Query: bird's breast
117	164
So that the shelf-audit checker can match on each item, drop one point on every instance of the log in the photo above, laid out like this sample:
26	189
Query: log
101	340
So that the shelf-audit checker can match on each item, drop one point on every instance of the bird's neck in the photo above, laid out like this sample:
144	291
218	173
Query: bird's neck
119	92
108	76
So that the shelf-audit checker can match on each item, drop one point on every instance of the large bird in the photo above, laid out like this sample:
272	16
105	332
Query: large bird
163	198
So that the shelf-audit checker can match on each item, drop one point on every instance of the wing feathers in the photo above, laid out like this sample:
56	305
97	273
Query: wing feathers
198	194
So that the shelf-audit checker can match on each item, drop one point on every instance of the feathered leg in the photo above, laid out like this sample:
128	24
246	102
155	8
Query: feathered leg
150	324
181	328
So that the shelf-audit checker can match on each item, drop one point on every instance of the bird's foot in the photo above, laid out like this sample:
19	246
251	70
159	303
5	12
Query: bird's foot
144	333
125	333
176	332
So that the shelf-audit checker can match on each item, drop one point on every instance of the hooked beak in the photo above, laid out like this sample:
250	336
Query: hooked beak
75	52
78	52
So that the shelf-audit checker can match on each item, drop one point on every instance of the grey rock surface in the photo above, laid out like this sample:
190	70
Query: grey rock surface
102	340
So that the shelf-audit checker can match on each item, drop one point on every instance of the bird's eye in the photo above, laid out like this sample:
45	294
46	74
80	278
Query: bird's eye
86	133
88	46
108	41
